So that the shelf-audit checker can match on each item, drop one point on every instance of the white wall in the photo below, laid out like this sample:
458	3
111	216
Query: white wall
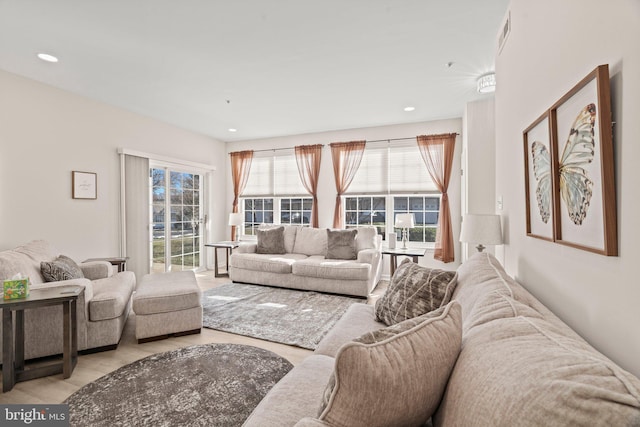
478	161
45	133
326	186
552	46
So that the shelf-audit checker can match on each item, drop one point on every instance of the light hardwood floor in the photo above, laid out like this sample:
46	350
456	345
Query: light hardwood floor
55	389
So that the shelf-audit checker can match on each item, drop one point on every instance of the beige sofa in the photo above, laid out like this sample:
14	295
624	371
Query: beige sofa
102	309
305	267
518	365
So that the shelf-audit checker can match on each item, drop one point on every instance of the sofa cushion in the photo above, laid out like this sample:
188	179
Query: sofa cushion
366	238
61	268
317	266
357	320
12	263
413	291
38	250
395	376
270	241
527	371
483	274
311	241
341	244
167	292
111	296
295	396
265	262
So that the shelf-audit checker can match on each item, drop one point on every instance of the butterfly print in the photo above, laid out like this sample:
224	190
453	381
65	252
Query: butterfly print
575	185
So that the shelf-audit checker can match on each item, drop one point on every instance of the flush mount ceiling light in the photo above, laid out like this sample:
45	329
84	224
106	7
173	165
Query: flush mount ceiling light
233	130
48	58
409	108
487	83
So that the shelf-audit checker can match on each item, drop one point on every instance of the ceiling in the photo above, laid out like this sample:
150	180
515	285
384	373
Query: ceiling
264	67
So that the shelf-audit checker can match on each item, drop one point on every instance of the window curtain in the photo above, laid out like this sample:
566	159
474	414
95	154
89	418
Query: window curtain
437	153
308	159
346	158
136	210
240	166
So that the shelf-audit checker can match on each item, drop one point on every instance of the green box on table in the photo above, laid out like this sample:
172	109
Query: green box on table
16	288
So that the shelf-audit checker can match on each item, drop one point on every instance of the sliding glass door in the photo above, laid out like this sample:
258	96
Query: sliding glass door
176	220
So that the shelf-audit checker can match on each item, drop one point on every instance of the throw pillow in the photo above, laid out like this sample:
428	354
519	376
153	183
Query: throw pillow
270	241
341	244
61	268
413	291
397	375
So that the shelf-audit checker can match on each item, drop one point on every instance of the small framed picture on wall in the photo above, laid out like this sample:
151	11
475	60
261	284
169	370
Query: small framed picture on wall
84	185
538	178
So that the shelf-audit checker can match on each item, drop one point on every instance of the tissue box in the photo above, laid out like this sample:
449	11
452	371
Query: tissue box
17	288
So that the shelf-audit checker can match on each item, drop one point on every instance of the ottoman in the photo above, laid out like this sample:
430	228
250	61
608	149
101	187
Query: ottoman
167	304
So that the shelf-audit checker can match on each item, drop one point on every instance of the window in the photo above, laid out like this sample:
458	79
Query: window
393	179
295	210
274	198
366	210
425	210
256	212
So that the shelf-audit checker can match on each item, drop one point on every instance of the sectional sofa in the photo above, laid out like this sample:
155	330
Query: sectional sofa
303	264
102	308
514	364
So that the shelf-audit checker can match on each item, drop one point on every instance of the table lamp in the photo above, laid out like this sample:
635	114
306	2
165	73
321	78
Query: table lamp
481	229
235	220
405	221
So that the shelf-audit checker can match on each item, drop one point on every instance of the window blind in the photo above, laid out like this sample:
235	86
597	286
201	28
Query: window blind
388	168
274	173
260	181
287	178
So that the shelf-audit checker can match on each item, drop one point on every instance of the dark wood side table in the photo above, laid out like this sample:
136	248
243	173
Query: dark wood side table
118	261
13	367
228	246
414	253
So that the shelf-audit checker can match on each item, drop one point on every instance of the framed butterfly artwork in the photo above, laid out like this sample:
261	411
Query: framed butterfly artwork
577	167
583	163
538	178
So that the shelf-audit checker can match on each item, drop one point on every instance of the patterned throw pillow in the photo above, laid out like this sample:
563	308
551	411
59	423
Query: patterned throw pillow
414	291
396	375
341	244
61	268
271	241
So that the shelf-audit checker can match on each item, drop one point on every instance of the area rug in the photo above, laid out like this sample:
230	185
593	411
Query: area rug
299	318
201	385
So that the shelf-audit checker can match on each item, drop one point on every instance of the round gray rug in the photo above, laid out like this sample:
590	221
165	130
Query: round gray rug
201	385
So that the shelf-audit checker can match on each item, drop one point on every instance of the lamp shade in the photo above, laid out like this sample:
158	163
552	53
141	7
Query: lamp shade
235	218
481	229
405	220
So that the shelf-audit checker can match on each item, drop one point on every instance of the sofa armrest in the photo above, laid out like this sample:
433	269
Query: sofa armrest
311	422
369	256
247	248
94	270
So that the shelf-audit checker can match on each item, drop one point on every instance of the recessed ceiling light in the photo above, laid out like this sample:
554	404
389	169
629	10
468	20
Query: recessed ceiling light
233	130
409	108
48	58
